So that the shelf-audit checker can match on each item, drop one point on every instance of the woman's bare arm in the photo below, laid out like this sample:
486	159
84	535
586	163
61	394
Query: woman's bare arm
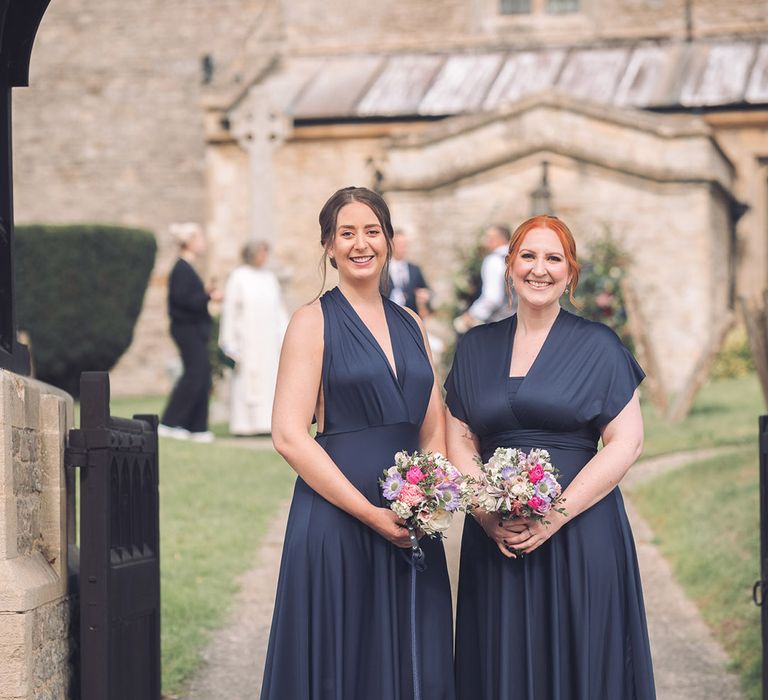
622	445
296	395
464	454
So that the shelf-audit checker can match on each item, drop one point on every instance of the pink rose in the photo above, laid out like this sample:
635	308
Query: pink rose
534	502
536	474
415	475
411	495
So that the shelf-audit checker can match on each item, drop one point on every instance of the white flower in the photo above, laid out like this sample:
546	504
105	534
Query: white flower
438	521
518	489
401	509
486	501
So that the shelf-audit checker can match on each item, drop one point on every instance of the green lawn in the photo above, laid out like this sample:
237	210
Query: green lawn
725	413
216	502
705	518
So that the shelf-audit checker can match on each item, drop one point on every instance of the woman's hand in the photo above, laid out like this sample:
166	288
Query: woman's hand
529	534
390	526
499	530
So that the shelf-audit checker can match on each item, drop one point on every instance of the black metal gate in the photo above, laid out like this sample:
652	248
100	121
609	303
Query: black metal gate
760	590
119	548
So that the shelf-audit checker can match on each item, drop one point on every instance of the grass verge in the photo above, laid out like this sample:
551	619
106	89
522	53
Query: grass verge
725	413
711	537
216	502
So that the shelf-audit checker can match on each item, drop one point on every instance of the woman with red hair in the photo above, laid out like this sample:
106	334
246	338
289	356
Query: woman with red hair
549	612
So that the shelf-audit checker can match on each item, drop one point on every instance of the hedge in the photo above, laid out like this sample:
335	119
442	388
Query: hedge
79	291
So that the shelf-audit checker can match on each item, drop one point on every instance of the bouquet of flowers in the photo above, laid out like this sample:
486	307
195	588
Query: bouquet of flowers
519	485
425	489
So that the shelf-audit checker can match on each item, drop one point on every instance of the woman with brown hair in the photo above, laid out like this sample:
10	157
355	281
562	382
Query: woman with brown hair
359	364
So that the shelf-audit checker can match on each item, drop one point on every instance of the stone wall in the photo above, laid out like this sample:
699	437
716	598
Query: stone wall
34	601
429	25
744	138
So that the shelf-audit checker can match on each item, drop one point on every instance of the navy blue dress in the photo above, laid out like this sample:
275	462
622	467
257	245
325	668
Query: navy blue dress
566	622
341	625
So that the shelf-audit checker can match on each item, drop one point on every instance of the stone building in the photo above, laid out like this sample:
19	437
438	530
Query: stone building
246	115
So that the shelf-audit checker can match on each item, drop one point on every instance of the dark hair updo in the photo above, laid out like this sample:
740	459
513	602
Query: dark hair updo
330	212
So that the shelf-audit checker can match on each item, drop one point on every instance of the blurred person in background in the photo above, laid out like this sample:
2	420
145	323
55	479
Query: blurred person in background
253	322
407	286
492	304
186	415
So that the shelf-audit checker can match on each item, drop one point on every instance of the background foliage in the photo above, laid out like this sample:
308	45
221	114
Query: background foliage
599	292
735	358
80	289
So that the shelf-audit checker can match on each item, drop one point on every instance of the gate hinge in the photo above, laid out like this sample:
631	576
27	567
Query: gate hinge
75	457
758	593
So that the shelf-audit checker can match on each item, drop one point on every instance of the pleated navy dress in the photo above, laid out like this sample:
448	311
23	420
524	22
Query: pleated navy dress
566	622
341	626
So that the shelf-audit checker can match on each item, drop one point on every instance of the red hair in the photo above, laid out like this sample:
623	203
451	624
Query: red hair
563	234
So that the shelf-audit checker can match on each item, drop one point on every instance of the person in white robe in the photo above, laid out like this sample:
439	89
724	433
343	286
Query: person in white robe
253	322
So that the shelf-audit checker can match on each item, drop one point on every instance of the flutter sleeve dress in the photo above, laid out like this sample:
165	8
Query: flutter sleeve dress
566	622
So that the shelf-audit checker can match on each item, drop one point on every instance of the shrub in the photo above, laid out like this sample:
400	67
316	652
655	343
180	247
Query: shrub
599	295
735	358
80	289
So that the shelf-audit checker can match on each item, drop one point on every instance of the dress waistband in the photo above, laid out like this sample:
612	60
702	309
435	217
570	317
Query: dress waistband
544	439
371	430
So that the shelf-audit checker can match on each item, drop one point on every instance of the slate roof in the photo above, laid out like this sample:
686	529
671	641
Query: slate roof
672	75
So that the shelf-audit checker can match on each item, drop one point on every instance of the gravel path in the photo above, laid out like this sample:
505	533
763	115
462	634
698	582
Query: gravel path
689	664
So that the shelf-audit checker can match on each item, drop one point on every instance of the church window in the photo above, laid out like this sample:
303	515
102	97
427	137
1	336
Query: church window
515	7
562	7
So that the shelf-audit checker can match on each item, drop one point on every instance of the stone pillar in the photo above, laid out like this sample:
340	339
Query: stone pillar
34	600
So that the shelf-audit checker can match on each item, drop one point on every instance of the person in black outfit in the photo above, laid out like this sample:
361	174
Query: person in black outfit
186	415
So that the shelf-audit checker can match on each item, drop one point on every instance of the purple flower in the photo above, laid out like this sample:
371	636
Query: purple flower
450	497
507	473
392	486
547	487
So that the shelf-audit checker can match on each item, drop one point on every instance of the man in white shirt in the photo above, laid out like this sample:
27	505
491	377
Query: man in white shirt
492	304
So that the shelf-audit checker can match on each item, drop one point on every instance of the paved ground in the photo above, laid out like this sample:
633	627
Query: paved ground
689	664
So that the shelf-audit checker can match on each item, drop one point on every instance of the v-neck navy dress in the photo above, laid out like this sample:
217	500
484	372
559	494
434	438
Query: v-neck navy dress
566	622
341	625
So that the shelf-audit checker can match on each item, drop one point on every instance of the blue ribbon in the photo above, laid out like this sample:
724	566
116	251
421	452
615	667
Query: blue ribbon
417	564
